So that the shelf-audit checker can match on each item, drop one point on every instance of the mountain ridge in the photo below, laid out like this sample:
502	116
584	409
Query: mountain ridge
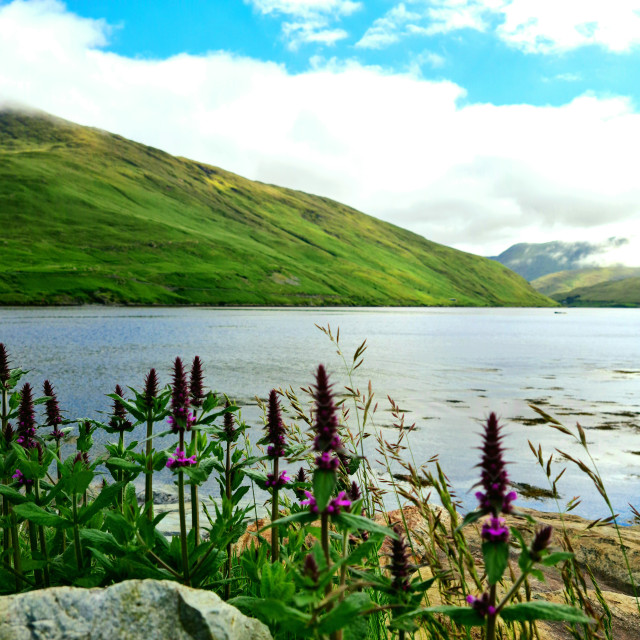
94	217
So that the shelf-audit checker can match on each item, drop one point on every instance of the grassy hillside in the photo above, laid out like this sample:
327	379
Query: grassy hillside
565	281
89	216
616	293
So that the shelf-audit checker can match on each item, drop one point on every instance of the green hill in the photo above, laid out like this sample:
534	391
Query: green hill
614	293
564	281
88	216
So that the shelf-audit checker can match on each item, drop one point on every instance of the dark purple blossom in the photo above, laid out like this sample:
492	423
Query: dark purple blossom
196	384
327	439
181	418
354	492
229	427
278	483
180	460
541	541
119	420
150	387
482	605
494	530
52	409
26	418
275	427
19	477
310	568
496	498
400	567
5	371
82	458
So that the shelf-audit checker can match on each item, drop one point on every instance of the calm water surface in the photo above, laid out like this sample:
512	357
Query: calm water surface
446	367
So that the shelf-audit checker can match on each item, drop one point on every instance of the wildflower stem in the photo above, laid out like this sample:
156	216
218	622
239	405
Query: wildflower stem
324	539
183	528
76	530
195	501
5	500
33	543
15	543
148	481
43	540
275	538
120	471
491	617
227	489
512	592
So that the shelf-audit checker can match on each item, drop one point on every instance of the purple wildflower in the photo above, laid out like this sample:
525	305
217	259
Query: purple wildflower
275	427
495	498
5	372
327	439
541	541
310	502
54	419
150	388
196	388
8	434
400	568
327	462
301	476
26	419
229	427
181	418
481	605
180	460
278	483
340	501
493	530
82	458
19	477
119	420
354	492
310	568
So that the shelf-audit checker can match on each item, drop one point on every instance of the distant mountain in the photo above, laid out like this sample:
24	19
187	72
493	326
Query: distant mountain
555	284
88	216
533	261
616	293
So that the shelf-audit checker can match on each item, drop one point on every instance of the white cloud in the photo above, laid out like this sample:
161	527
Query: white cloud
306	8
533	26
405	149
312	20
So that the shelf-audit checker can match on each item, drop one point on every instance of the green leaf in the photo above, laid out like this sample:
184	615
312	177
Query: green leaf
342	615
324	482
541	610
470	518
354	522
273	610
496	559
101	540
125	465
37	515
79	480
553	558
106	497
14	496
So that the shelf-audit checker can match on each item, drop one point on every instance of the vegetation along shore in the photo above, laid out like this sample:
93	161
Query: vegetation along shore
330	560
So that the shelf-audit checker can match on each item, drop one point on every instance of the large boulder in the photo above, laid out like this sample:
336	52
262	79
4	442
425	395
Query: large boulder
131	610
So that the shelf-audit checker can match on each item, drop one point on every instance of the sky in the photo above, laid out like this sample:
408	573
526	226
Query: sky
476	123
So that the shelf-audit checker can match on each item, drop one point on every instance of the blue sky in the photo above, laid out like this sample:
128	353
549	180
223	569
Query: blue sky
478	123
490	68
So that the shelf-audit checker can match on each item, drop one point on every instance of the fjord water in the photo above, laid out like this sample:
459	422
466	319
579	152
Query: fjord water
447	368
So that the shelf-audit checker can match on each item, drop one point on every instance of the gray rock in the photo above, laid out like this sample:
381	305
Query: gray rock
131	610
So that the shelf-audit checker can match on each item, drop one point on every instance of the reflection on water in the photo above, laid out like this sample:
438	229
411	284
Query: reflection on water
446	367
